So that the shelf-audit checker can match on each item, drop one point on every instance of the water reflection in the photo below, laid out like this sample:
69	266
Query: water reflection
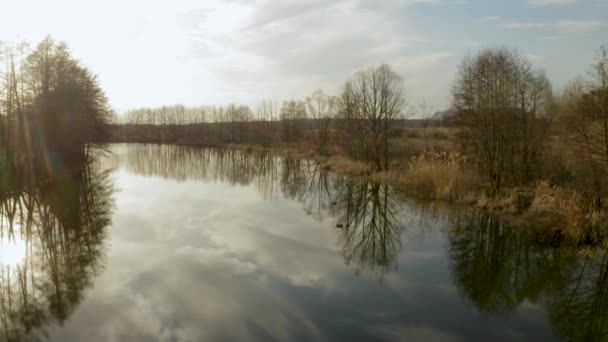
52	234
500	272
369	223
578	307
498	269
368	216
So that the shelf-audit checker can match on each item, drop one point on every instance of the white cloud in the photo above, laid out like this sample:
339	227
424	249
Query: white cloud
539	3
535	57
523	25
286	50
489	19
422	61
580	26
549	38
219	51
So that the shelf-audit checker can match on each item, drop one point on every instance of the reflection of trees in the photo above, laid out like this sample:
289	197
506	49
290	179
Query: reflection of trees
62	225
495	266
579	308
195	163
498	268
293	177
268	174
317	192
370	229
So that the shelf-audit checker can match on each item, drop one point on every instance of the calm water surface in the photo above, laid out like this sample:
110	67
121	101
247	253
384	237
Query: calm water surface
166	243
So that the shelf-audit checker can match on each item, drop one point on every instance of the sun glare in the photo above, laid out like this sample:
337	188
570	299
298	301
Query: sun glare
12	251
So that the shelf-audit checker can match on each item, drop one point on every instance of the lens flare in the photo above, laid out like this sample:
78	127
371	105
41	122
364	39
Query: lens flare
12	251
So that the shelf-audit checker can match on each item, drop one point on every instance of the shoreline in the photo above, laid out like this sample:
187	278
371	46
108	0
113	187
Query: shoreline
551	214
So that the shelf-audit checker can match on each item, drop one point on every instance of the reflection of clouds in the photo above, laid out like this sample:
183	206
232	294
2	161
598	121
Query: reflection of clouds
221	261
193	261
202	299
197	279
413	333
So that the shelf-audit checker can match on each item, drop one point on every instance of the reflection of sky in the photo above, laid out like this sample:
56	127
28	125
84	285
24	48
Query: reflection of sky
192	261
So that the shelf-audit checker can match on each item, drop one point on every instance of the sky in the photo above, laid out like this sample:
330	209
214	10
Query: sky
212	52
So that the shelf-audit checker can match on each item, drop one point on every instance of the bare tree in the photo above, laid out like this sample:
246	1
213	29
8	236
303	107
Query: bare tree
292	115
321	110
590	122
503	108
374	99
425	112
266	112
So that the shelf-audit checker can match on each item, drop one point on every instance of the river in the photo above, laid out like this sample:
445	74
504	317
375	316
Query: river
174	243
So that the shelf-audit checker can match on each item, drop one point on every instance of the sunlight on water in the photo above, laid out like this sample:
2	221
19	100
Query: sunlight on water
12	251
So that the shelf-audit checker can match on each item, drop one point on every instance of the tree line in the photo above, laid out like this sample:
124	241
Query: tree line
51	106
512	125
358	120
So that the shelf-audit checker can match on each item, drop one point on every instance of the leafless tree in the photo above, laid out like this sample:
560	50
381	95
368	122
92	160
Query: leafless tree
292	115
503	106
425	112
373	100
589	110
321	109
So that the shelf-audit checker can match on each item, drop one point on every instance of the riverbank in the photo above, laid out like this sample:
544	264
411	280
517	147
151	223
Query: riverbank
551	214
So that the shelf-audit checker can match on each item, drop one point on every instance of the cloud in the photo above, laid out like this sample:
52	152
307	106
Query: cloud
488	19
422	61
540	3
549	38
220	51
286	50
562	27
580	26
413	333
535	57
457	2
523	25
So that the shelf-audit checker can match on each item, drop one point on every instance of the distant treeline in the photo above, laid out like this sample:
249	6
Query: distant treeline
512	127
245	132
358	121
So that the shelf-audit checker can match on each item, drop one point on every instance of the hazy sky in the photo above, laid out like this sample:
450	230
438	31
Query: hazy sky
155	52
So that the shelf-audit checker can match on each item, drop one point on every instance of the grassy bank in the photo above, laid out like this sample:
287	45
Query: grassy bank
552	214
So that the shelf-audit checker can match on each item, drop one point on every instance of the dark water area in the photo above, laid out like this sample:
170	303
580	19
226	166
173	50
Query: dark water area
173	243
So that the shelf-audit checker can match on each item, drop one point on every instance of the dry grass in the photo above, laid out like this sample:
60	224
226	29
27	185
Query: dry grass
346	166
441	175
551	213
571	215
